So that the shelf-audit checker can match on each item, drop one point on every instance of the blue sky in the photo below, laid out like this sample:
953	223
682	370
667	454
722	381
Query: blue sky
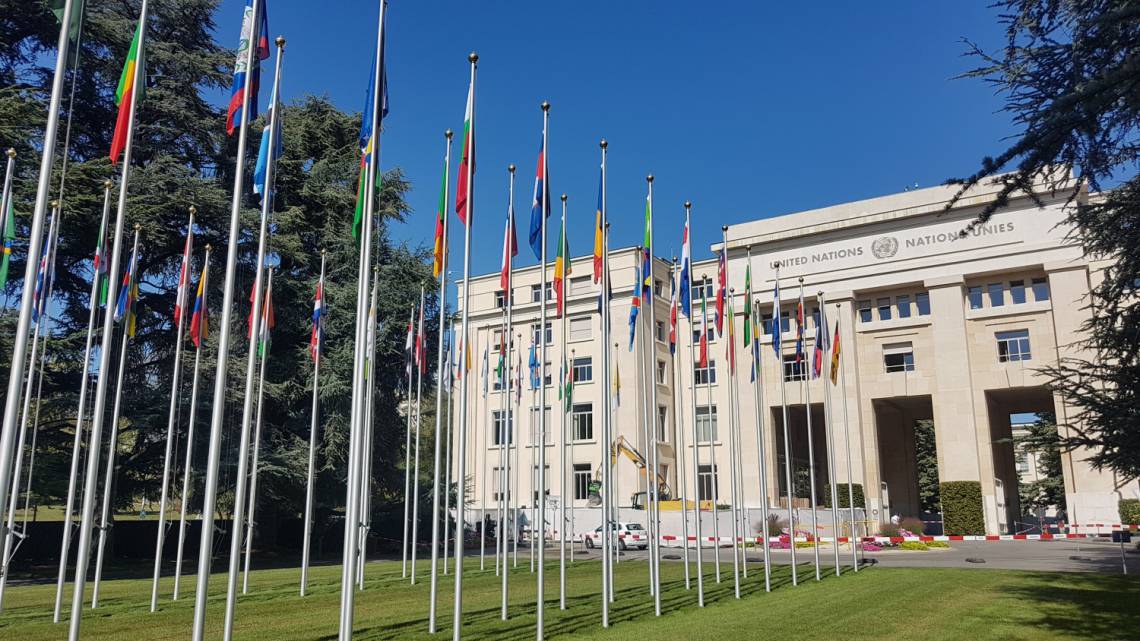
748	109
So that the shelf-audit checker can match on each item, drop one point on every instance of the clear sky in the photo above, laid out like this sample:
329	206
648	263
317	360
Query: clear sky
748	109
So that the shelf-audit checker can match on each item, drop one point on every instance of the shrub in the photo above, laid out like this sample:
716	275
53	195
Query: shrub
804	544
868	546
962	507
841	489
776	525
937	544
912	524
1129	511
888	529
916	546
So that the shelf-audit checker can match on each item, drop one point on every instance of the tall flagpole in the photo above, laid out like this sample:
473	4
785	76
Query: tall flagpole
568	374
540	623
314	425
607	390
806	387
461	472
241	485
448	440
13	499
678	428
828	426
91	473
262	334
408	456
187	466
711	440
23	325
733	461
112	448
654	497
77	442
441	363
696	433
357	428
516	466
761	453
847	446
218	407
777	332
508	437
419	364
176	379
366	470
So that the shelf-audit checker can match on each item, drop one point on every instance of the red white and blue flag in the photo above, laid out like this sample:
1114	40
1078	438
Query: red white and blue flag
721	290
800	331
318	334
540	208
510	250
200	320
822	343
686	272
672	316
237	91
184	277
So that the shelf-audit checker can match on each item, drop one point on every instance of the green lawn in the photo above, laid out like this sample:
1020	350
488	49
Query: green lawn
876	604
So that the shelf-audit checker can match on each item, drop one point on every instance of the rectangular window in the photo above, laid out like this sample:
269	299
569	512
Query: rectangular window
659	330
865	311
580	285
794	371
785	322
1017	291
534	481
534	426
582	422
581	328
996	292
504	428
500	299
498	383
902	304
706	423
657	287
705	375
661	370
898	357
706	483
582	478
546	379
536	336
922	303
662	421
974	296
884	305
1022	462
536	297
583	369
1013	346
705	285
1040	289
497	483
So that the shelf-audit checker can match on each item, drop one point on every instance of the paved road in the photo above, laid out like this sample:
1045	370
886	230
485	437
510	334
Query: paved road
1060	556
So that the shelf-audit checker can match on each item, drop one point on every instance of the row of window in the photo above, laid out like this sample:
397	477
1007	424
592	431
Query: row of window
583	473
902	306
1015	292
581	424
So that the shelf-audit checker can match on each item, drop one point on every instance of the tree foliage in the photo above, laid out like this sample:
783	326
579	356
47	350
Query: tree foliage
926	463
1043	441
1070	74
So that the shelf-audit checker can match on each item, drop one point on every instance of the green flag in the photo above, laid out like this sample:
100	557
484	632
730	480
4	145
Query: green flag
748	305
9	236
56	7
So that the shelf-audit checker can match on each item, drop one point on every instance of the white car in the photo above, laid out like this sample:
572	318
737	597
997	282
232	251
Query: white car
626	535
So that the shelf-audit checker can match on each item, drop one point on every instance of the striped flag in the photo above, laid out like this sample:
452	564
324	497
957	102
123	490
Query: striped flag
617	386
318	335
9	238
268	321
261	166
672	316
184	277
730	349
647	254
200	320
561	269
532	363
835	356
421	347
777	322
800	331
703	357
410	344
100	264
44	270
721	290
237	89
634	308
540	207
123	95
510	250
367	142
462	207
440	245
128	294
599	233
686	285
821	343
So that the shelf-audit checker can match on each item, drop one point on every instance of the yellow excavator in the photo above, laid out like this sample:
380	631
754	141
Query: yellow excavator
638	500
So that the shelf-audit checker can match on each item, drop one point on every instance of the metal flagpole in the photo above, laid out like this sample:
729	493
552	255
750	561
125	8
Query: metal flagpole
366	470
607	391
441	363
678	430
696	433
654	497
806	387
176	381
777	331
217	414
461	472
91	473
761	451
482	454
507	437
732	459
416	446
447	463
855	543
13	499
408	454
109	478
77	442
568	374
256	340
828	424
23	325
710	441
518	509
534	444
187	466
314	425
357	428
740	512
242	481
541	471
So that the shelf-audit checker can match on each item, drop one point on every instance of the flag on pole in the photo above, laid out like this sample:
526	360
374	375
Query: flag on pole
409	344
9	238
123	96
647	254
57	8
754	312
567	391
777	322
617	385
721	290
200	320
268	322
821	343
318	335
518	378
730	349
510	250
500	367
533	364
799	332
748	305
562	269
462	207
440	214
183	278
599	233
237	90
686	272
259	168
125	306
540	208
634	308
672	315
835	356
421	348
43	272
703	357
486	370
367	141
100	264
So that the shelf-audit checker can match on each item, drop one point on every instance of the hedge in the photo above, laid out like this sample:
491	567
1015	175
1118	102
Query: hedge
1129	511
841	488
962	511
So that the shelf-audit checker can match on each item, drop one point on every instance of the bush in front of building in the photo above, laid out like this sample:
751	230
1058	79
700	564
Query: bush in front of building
917	546
841	490
913	524
1129	511
962	507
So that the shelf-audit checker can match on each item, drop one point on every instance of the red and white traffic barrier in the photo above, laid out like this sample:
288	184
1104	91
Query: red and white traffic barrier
669	538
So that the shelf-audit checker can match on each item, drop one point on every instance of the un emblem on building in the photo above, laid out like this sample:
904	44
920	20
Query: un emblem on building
884	247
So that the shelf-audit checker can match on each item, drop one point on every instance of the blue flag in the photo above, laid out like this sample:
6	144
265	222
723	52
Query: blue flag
540	208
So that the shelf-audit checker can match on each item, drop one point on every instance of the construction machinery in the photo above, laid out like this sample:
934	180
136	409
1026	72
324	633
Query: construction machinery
638	500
